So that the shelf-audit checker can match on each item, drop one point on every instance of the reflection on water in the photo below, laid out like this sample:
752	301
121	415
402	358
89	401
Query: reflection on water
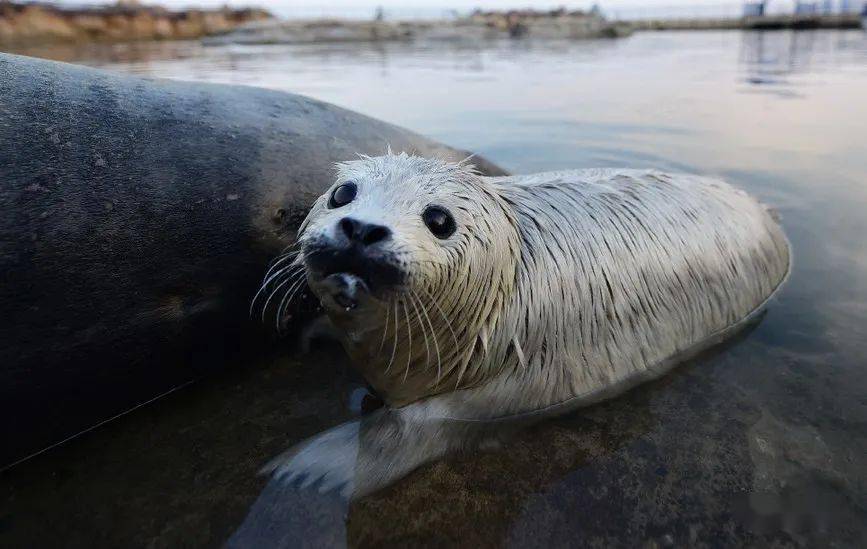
764	442
772	59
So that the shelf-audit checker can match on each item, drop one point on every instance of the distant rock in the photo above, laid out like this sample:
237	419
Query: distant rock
40	23
314	31
479	26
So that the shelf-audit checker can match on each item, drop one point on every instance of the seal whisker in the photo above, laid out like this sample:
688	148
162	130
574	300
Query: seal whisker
436	341
282	270
279	260
423	328
272	294
284	254
287	250
445	319
271	276
434	335
409	337
289	296
394	348
385	327
290	246
264	286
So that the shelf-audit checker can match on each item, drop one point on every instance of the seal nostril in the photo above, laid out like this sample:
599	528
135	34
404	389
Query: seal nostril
363	233
348	226
374	234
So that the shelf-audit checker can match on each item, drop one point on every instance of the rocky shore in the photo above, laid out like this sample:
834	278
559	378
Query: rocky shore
41	23
556	24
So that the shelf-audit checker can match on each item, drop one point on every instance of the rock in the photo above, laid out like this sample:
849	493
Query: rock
39	23
479	27
313	32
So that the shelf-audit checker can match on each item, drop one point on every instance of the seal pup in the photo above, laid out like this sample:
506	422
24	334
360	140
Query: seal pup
473	302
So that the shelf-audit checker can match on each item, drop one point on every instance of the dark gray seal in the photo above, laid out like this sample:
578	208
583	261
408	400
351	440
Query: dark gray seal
138	217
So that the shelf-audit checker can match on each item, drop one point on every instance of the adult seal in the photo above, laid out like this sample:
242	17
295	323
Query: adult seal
470	301
137	216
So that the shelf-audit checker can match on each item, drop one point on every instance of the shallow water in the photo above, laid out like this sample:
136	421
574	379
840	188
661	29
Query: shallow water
761	441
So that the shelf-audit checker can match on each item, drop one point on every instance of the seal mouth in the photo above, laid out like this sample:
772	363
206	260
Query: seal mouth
345	290
349	275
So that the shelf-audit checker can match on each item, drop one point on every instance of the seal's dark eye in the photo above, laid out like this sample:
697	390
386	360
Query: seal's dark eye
439	221
343	195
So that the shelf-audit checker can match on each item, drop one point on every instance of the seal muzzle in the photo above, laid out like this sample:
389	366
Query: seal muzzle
356	261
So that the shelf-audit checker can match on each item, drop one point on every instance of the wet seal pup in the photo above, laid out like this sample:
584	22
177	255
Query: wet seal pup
473	304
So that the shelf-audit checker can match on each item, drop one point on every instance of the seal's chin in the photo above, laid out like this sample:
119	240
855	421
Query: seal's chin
343	292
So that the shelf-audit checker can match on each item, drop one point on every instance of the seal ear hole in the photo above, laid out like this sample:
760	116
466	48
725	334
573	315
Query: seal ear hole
343	194
279	216
439	221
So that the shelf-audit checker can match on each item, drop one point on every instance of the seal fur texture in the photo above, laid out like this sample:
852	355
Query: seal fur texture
621	270
557	289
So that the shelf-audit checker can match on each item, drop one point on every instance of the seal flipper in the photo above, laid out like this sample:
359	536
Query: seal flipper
328	459
365	455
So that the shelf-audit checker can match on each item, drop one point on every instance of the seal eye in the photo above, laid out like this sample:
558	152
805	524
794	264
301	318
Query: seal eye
343	195
439	221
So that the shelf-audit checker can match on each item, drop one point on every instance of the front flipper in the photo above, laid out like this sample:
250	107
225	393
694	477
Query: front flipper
313	483
368	454
327	460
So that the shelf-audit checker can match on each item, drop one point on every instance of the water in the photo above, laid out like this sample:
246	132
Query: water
763	441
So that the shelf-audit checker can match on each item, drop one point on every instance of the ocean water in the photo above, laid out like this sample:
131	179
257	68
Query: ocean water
761	442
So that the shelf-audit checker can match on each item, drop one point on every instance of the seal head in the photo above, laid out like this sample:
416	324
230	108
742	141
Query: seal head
412	258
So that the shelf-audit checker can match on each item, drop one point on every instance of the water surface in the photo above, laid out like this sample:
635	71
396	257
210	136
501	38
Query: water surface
763	441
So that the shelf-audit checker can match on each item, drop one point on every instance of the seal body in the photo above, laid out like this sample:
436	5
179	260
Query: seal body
620	272
551	291
136	215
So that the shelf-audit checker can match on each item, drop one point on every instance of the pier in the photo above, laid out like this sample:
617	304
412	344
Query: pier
756	22
758	15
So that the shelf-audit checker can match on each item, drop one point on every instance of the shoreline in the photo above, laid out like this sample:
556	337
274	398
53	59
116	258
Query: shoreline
34	24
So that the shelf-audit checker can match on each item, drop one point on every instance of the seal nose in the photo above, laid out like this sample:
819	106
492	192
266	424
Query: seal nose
363	233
